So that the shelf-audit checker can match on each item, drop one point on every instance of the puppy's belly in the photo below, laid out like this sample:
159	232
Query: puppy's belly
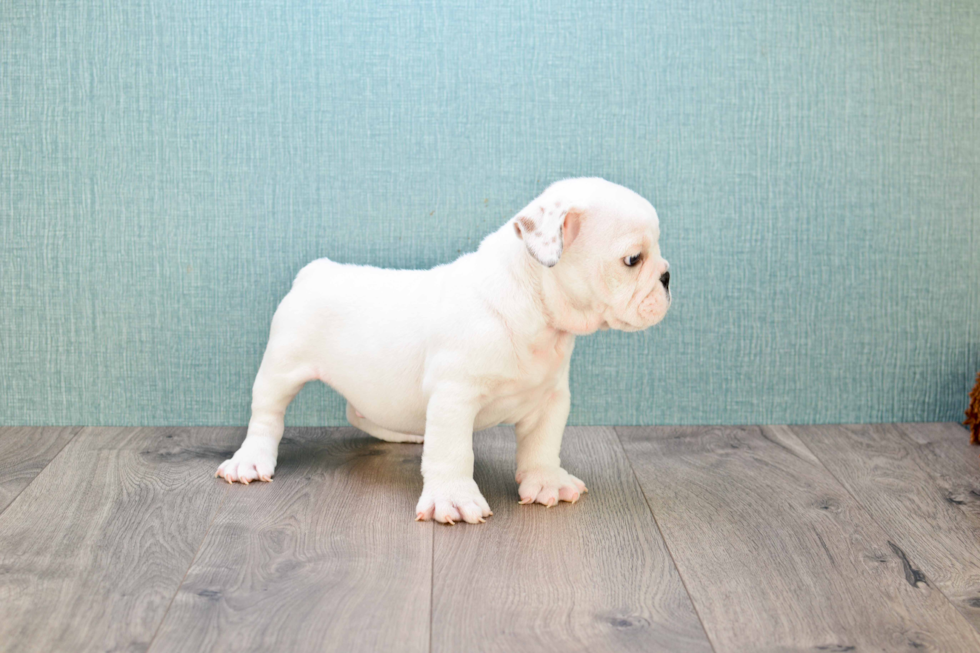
390	400
389	393
382	384
396	413
396	401
405	412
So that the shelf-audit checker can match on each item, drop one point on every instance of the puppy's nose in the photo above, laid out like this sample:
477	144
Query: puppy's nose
665	279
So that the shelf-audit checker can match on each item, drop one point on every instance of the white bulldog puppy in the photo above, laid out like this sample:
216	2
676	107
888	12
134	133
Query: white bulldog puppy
430	356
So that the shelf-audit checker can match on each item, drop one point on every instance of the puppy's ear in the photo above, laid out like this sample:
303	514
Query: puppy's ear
547	229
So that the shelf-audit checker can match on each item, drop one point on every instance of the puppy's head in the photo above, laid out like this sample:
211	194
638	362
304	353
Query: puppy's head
599	243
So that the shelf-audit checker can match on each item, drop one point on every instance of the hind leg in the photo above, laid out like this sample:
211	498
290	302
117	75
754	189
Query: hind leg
360	421
275	386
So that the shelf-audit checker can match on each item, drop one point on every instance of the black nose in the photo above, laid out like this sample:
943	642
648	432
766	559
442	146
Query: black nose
665	279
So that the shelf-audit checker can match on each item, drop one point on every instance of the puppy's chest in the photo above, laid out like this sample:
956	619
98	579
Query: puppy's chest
542	362
539	370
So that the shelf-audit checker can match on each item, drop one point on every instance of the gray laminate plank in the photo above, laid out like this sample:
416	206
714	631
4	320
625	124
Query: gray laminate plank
776	554
24	452
594	576
94	549
946	454
889	474
327	557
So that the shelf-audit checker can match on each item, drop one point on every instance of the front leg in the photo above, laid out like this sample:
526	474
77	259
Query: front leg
449	493
539	470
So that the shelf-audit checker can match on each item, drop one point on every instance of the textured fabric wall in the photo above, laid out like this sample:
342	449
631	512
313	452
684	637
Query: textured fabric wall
167	167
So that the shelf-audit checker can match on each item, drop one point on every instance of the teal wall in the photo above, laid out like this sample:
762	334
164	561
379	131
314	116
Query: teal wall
166	167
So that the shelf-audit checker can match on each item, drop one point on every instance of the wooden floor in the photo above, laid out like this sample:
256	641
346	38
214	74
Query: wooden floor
774	538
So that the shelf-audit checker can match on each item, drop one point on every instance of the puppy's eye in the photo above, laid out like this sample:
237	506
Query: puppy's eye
630	261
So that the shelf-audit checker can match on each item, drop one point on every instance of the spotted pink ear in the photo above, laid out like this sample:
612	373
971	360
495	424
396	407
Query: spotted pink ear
547	230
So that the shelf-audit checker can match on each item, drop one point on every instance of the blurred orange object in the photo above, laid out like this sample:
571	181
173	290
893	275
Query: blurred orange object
973	413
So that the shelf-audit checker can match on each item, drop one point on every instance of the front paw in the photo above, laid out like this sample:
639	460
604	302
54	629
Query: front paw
248	465
450	501
548	486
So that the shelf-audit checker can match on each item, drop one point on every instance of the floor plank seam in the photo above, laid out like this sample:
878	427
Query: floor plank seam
874	520
78	429
670	553
200	546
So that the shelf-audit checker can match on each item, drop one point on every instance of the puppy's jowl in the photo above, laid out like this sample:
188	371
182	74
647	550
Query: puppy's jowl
430	356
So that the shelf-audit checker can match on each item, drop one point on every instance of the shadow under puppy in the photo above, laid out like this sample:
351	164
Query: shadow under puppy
430	356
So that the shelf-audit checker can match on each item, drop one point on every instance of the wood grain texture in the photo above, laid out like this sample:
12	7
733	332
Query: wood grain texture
945	453
594	576
95	548
776	555
327	557
24	452
917	496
